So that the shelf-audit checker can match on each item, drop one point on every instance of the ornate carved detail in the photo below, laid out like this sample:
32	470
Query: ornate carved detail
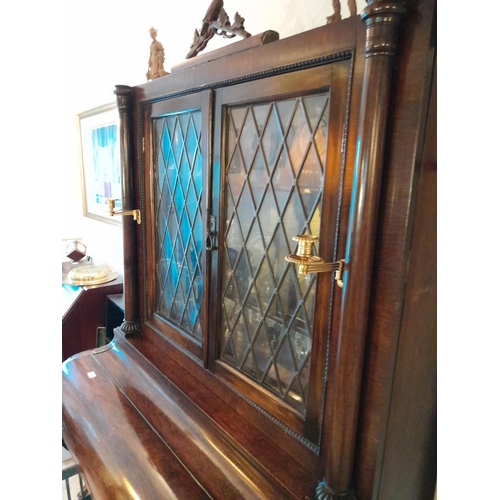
130	327
184	351
308	444
351	4
382	42
156	57
216	22
336	13
336	16
123	97
311	63
323	492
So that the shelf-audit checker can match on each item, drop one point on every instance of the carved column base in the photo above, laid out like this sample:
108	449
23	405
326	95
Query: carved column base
323	492
130	327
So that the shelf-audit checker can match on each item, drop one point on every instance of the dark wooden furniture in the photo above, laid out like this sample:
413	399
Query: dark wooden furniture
84	312
233	376
115	306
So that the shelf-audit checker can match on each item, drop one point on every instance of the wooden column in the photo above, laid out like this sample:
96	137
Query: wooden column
382	19
130	325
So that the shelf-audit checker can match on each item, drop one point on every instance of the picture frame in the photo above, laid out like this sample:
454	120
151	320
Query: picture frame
100	161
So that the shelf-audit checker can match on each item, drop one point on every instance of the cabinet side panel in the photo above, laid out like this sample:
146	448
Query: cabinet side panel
409	466
404	152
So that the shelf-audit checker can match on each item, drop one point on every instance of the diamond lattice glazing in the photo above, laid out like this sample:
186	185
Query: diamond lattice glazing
178	216
274	177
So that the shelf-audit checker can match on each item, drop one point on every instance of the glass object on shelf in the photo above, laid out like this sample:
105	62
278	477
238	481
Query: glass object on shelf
178	216
275	161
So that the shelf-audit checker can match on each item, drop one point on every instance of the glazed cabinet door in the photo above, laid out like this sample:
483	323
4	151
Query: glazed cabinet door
280	146
176	195
219	228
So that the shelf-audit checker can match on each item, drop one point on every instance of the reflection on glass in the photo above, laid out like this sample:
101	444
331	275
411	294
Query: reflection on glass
274	179
179	233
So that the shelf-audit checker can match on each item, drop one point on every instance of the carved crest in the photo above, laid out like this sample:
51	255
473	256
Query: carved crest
216	22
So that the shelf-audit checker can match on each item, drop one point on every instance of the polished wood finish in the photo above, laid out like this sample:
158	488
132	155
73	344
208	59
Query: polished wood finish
334	76
409	464
379	203
291	462
131	325
86	314
201	101
382	20
198	462
403	163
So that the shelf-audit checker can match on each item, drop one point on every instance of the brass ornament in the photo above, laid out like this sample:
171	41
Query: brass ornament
307	263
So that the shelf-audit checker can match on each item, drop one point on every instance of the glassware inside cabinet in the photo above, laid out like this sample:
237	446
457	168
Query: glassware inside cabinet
274	182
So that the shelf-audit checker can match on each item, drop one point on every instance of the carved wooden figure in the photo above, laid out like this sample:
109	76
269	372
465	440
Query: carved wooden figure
216	22
211	15
336	16
351	4
336	12
156	57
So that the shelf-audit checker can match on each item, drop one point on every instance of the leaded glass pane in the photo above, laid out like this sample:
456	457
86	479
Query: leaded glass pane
274	180
178	216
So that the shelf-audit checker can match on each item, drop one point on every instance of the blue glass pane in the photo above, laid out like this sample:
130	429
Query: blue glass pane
178	201
177	143
184	173
191	143
179	225
167	248
172	173
197	173
185	229
192	202
198	234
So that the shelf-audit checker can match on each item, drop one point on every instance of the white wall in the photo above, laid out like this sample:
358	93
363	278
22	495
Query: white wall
106	42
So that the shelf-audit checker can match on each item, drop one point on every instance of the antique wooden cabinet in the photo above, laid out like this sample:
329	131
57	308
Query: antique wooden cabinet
84	310
238	372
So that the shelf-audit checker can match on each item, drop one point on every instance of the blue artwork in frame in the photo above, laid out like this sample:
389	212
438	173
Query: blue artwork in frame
100	161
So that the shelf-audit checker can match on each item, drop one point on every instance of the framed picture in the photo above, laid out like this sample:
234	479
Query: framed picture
100	161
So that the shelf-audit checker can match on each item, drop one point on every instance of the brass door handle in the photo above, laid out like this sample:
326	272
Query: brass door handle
307	263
